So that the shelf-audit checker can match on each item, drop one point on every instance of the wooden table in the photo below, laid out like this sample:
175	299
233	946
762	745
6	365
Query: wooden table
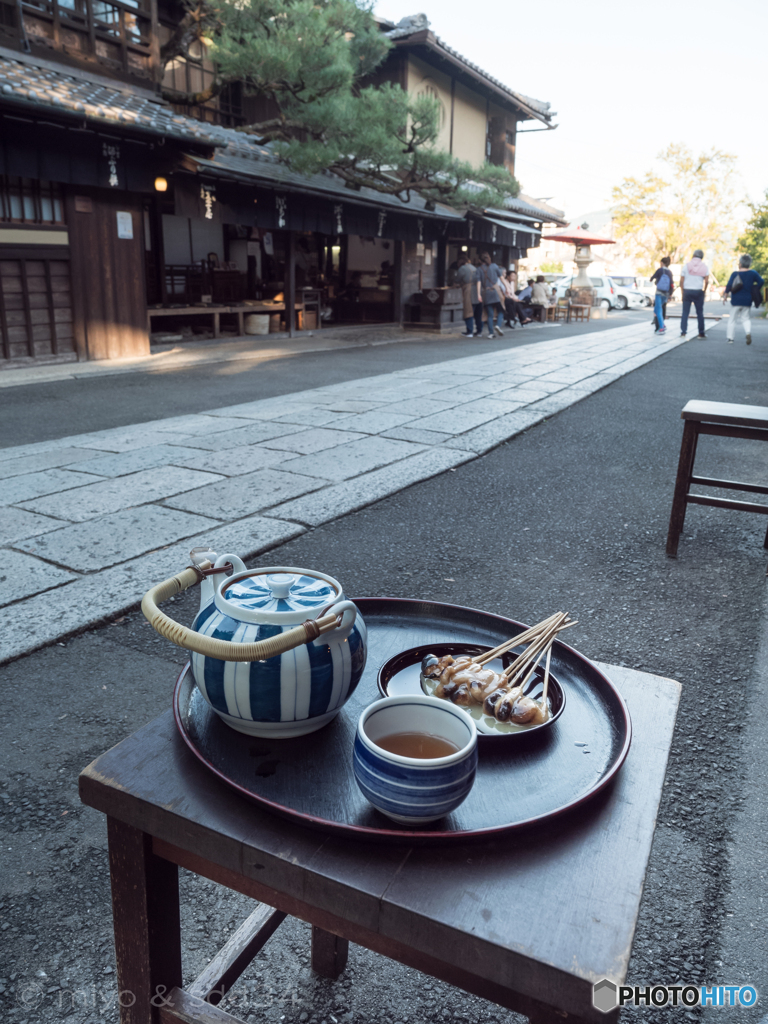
723	419
528	921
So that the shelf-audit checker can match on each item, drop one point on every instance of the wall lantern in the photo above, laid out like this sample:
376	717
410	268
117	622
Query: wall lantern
464	248
161	184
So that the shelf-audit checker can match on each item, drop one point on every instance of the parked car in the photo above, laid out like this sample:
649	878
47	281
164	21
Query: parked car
639	284
627	296
606	291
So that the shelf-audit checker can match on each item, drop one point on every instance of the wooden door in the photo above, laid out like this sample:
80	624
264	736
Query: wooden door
35	305
108	289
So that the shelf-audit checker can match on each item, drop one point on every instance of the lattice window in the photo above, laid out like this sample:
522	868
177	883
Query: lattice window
29	201
116	33
429	88
196	75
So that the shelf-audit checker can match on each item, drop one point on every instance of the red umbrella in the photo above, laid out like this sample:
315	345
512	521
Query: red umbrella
577	236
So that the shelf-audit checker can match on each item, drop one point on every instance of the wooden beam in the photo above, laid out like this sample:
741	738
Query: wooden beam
232	959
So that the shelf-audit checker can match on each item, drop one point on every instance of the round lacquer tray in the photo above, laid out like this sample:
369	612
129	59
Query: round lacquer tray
310	781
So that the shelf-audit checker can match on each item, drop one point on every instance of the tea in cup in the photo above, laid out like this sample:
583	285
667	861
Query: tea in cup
415	757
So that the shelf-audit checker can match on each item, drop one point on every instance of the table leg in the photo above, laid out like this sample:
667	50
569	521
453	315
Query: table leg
329	953
216	325
145	906
239	323
682	484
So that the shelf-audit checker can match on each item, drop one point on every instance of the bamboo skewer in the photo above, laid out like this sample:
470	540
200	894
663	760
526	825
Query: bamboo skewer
546	681
515	641
535	650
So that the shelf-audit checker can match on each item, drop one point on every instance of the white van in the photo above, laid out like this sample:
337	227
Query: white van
607	294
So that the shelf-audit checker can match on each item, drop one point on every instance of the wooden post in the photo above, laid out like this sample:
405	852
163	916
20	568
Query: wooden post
290	284
145	906
442	264
251	279
397	282
158	248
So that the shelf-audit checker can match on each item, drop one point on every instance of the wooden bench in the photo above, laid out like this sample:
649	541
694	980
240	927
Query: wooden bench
216	311
723	420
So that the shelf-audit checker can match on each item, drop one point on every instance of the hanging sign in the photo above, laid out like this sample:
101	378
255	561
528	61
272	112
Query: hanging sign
269	248
112	154
208	198
281	203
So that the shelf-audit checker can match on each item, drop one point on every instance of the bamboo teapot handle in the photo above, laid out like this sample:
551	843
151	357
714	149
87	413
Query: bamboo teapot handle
338	616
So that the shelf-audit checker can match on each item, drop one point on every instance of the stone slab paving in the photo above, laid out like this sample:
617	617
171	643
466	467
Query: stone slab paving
89	522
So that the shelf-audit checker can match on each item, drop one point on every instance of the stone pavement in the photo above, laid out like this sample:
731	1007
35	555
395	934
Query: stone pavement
89	522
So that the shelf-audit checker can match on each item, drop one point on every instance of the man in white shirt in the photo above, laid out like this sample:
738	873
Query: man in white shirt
693	285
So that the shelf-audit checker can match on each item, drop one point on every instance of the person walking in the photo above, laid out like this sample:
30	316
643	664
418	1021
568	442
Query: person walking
467	277
693	285
739	287
490	275
664	286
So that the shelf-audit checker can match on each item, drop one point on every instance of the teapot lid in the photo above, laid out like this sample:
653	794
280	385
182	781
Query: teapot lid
279	595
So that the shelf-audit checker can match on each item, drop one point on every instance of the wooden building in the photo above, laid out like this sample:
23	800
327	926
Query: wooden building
122	215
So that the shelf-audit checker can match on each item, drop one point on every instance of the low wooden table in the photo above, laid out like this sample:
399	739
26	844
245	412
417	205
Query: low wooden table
723	419
529	920
216	311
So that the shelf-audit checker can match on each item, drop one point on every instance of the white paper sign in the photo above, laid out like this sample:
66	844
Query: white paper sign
124	224
268	247
252	248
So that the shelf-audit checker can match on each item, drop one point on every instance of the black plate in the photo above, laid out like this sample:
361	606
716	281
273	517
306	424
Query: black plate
402	675
309	779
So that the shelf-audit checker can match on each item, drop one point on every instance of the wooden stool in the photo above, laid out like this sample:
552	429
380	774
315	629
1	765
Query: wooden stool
578	313
723	420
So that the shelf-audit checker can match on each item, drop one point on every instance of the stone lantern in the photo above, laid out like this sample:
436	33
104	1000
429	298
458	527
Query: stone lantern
581	291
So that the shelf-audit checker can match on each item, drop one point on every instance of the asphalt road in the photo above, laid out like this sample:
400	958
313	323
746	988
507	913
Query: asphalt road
572	514
41	412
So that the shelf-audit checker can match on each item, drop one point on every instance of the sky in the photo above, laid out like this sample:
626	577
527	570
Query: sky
625	79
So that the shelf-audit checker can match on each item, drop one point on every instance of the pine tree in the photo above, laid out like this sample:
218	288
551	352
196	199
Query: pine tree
309	59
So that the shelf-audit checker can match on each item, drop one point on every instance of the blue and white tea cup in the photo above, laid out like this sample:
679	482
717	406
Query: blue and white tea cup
414	790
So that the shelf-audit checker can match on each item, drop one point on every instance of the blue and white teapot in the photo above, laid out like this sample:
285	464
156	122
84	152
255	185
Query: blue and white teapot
251	613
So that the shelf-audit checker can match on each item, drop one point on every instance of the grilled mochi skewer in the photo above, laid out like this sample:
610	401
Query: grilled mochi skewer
466	680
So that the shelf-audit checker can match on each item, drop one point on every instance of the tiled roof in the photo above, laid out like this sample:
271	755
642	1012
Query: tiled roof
420	23
262	165
26	82
38	85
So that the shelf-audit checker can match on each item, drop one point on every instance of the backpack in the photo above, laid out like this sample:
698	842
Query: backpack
664	283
